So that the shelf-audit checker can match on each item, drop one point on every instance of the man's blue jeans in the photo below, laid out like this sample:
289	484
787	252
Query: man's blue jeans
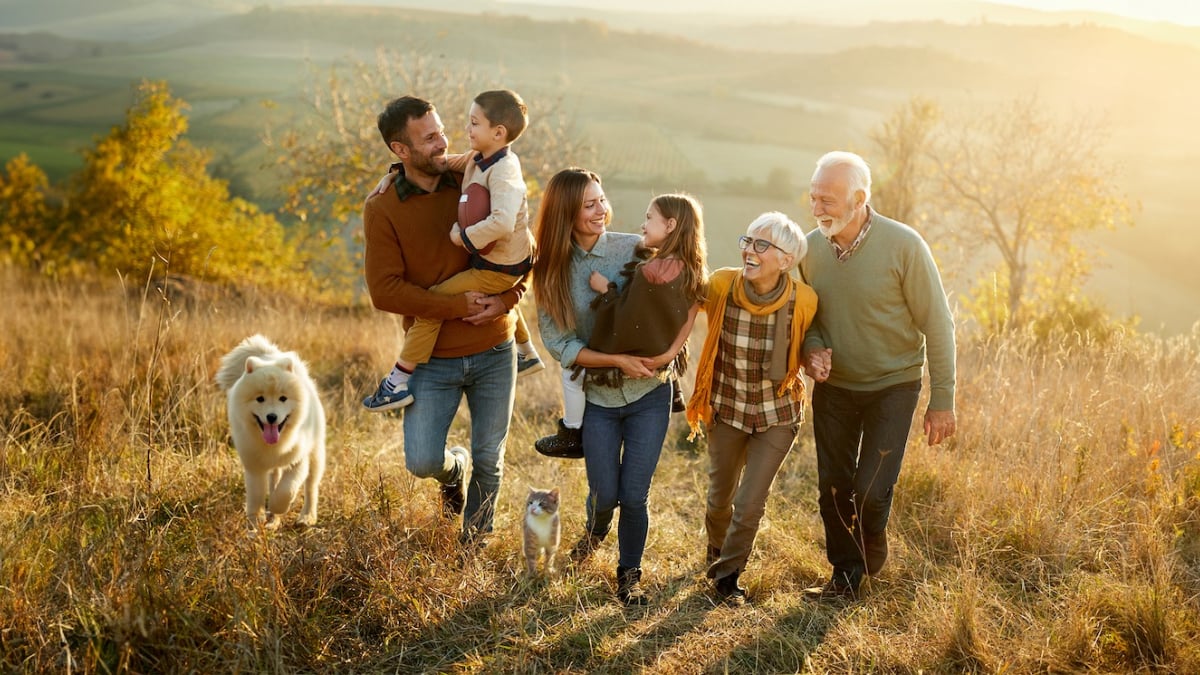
487	379
860	438
617	478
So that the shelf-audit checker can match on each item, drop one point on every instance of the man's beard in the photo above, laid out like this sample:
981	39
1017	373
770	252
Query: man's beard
431	166
836	228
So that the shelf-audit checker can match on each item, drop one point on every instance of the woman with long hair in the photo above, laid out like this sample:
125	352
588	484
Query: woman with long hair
624	418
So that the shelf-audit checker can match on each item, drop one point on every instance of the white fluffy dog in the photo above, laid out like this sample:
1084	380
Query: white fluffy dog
278	428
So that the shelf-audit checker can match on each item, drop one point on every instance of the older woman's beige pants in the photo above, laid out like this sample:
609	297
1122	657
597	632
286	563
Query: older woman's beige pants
741	469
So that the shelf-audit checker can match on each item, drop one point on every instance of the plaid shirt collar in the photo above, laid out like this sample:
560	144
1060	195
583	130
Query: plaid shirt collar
405	188
844	253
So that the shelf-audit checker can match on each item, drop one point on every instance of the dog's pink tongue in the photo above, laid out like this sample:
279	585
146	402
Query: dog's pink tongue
271	433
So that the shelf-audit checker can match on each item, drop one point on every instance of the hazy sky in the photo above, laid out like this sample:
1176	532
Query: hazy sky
1176	11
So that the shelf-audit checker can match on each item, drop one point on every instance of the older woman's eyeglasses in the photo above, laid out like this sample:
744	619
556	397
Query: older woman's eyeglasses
760	245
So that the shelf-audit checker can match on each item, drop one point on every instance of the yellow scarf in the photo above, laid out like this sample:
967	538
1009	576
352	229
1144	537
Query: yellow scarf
721	285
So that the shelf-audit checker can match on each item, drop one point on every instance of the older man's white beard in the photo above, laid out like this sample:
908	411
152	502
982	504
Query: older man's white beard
831	231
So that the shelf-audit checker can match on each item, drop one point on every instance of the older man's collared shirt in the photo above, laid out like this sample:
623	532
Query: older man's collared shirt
842	254
405	188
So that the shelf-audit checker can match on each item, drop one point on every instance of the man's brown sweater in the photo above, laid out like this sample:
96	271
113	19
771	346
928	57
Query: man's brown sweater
408	249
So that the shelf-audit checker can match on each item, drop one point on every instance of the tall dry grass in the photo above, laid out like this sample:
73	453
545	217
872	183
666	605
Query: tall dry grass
1057	532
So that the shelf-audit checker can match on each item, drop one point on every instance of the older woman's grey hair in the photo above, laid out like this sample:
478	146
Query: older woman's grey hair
783	231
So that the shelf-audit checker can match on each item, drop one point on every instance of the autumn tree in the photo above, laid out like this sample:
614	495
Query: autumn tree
901	146
24	212
144	199
1011	182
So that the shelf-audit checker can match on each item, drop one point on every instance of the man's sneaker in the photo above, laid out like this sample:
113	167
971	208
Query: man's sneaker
454	495
528	365
384	399
470	544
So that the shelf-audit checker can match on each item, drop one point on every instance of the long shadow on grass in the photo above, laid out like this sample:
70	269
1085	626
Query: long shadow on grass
567	624
673	614
783	643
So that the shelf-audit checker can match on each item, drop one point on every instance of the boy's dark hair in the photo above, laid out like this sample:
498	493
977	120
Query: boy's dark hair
504	106
393	121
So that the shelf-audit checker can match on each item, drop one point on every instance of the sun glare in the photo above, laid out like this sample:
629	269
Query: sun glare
1174	11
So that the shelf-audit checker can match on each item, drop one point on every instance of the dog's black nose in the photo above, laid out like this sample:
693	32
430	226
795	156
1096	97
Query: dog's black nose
272	418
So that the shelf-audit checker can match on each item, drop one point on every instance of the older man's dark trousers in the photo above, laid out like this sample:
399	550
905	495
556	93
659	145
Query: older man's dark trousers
860	438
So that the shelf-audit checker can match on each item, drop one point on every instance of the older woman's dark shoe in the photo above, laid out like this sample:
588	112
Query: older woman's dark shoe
728	590
837	589
566	444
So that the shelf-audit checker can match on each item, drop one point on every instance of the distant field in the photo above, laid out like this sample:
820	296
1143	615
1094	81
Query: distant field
641	150
663	113
53	148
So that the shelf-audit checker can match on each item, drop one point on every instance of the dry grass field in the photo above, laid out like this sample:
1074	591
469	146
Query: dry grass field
1058	532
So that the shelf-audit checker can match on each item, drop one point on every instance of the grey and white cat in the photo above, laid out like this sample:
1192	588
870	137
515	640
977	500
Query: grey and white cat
542	531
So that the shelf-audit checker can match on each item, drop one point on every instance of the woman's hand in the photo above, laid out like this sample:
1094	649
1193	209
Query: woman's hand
631	366
598	282
818	363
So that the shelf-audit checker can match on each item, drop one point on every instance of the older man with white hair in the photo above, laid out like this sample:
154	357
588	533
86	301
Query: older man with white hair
883	314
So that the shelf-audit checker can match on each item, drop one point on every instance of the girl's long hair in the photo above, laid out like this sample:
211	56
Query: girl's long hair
560	207
686	242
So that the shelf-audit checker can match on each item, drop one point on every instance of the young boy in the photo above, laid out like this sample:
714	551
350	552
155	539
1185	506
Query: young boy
493	225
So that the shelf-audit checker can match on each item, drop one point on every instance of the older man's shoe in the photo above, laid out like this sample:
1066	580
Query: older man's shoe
875	552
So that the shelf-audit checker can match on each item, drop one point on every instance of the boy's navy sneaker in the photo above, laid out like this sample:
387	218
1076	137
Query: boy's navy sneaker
383	399
528	365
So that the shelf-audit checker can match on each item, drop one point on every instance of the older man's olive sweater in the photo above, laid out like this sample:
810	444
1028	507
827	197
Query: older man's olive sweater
883	311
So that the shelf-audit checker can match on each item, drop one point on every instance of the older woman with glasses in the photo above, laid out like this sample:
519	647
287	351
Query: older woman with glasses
749	393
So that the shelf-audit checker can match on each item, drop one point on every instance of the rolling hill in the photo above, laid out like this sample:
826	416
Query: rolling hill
708	111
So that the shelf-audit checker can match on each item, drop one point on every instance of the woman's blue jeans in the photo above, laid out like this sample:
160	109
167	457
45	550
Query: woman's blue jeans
621	447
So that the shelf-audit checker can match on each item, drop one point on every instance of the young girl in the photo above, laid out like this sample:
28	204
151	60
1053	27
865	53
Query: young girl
665	284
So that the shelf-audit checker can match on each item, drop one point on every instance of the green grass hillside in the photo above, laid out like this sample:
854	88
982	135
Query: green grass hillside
1058	531
716	114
